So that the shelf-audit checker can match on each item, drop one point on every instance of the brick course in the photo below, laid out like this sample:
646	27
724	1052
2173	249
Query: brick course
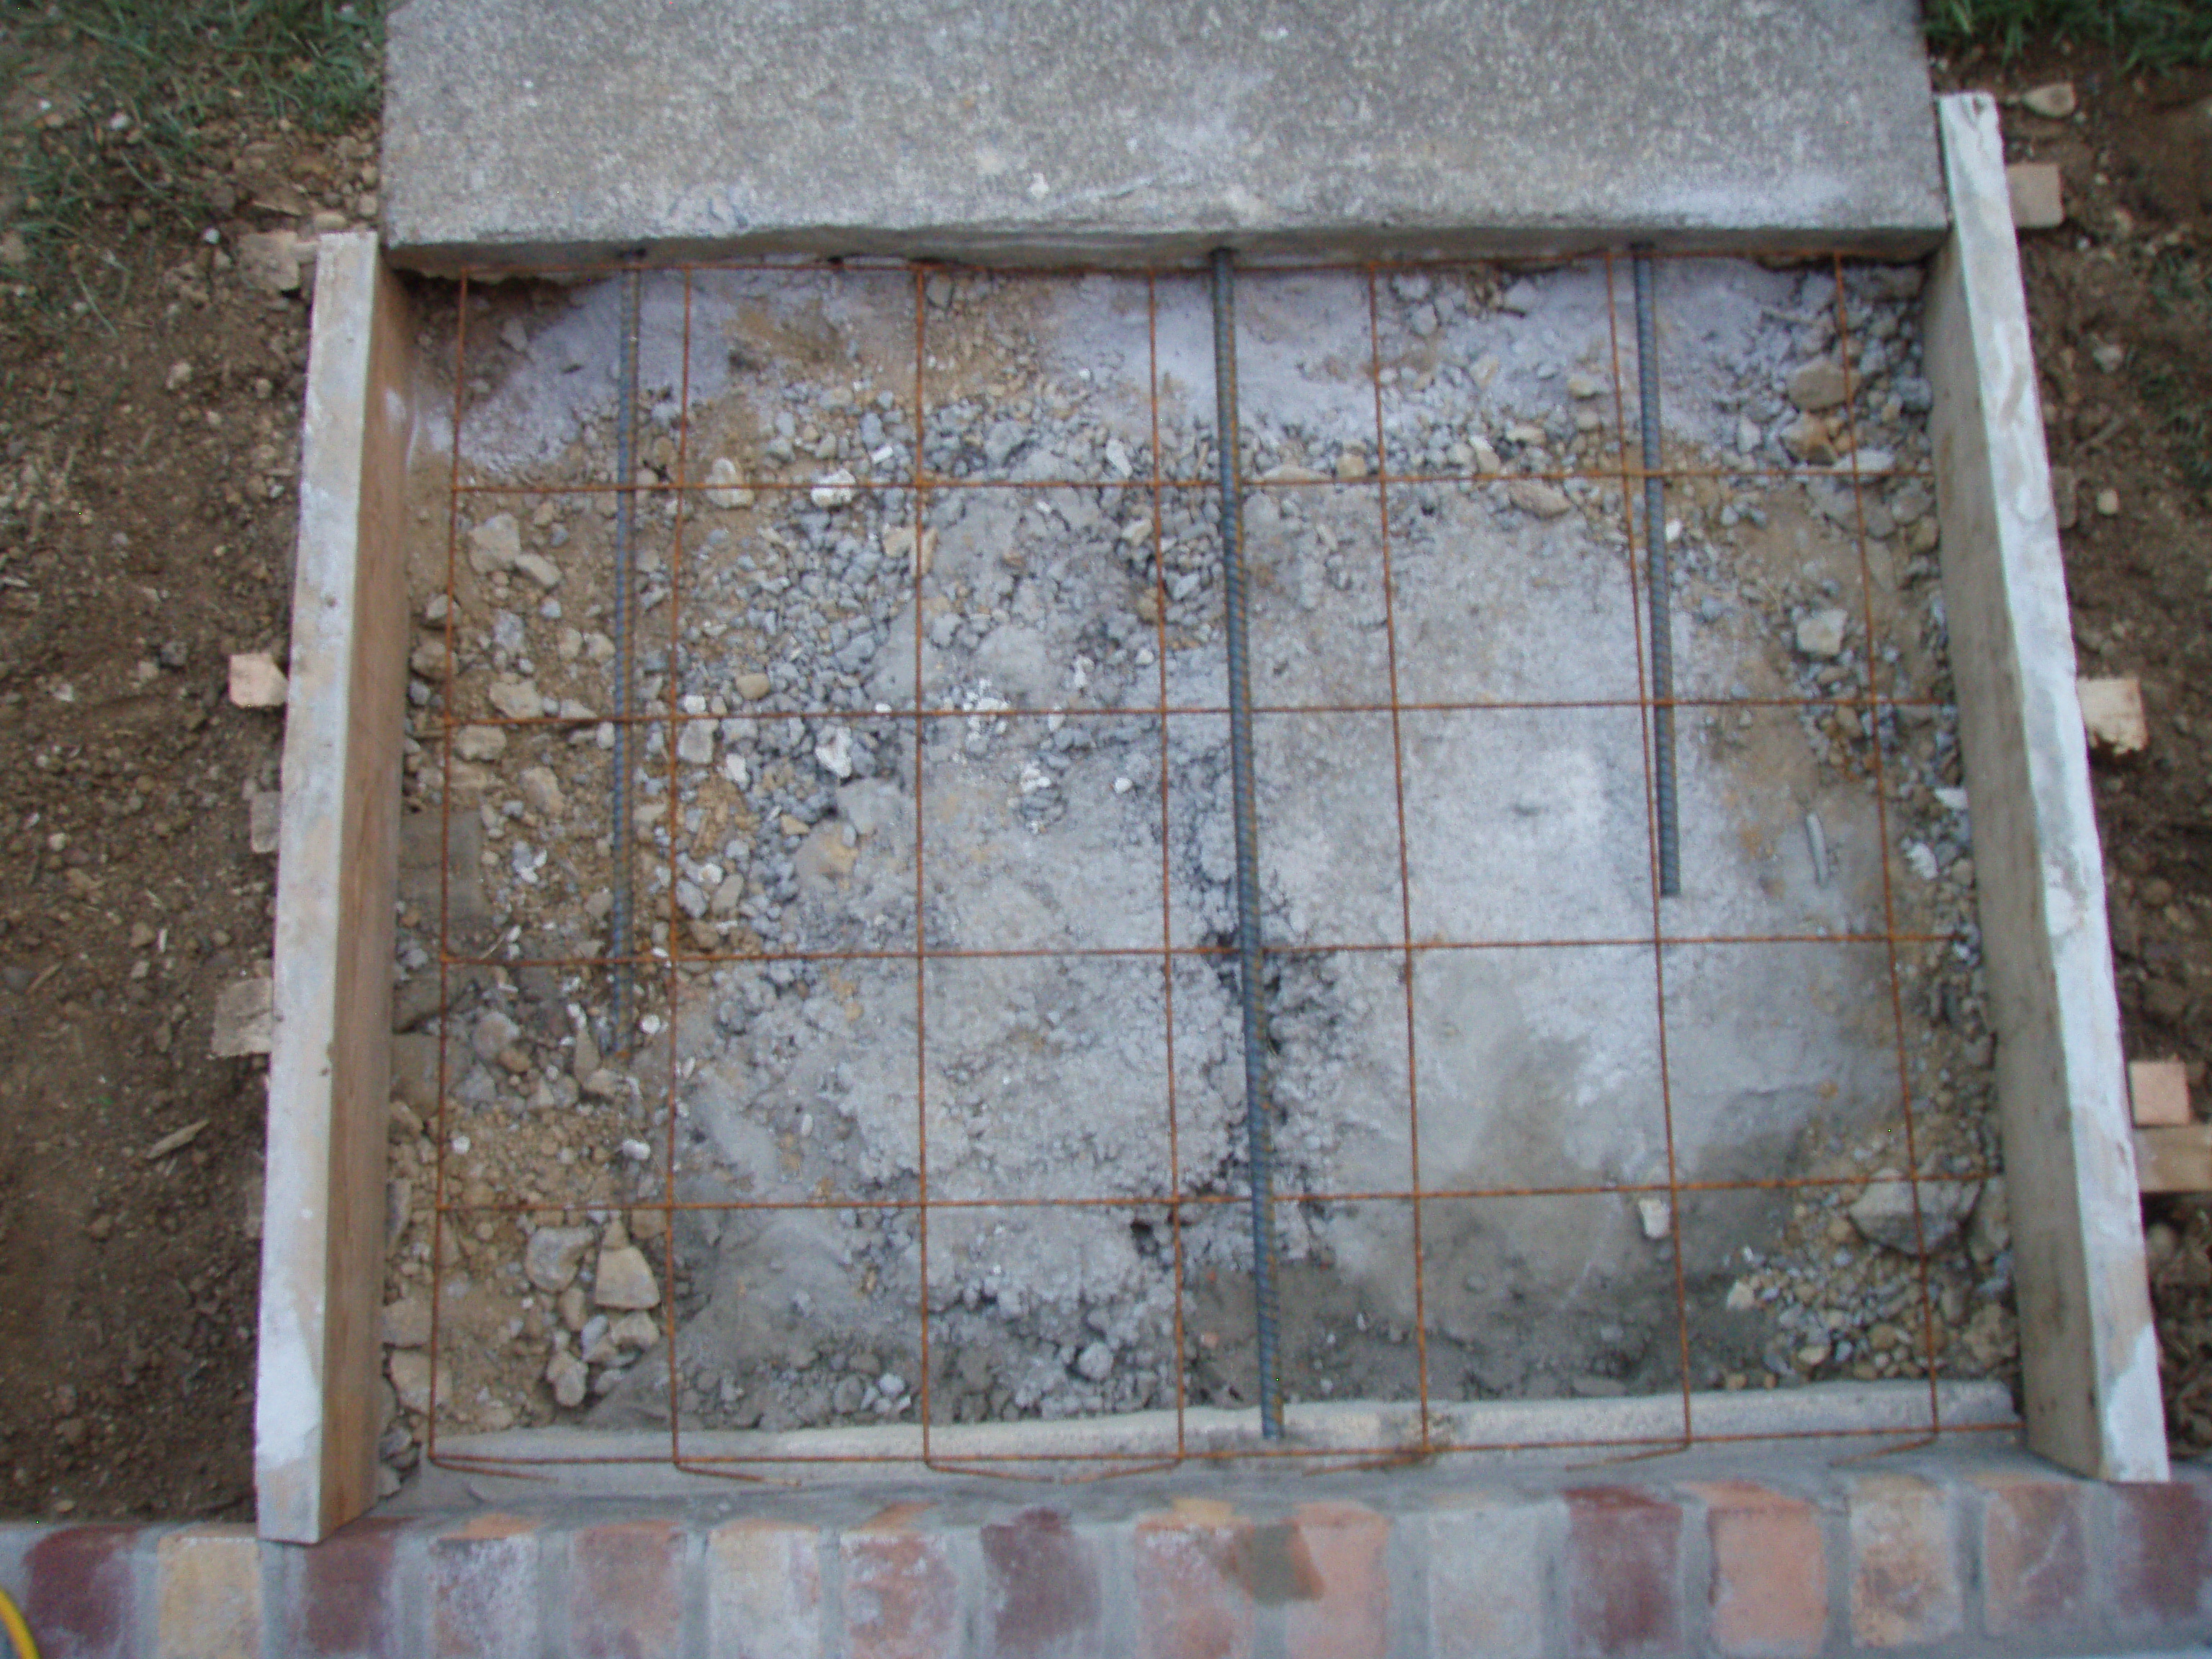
2001	1556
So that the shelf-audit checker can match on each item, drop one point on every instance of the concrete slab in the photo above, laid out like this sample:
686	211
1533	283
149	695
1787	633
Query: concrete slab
936	128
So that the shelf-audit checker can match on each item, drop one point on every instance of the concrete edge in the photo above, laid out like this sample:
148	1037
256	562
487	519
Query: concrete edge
1843	1414
315	1421
2090	1353
1025	248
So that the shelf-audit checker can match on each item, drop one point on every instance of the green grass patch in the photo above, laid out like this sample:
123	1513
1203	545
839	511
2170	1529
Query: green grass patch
138	85
2184	420
2145	33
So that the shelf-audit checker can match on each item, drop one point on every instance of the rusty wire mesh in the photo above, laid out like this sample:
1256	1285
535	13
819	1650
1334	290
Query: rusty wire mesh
666	968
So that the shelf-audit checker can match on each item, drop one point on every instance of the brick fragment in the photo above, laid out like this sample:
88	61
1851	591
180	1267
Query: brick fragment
343	1597
1192	1567
79	1597
1624	1588
483	1589
208	1597
764	1590
626	1590
1904	1571
1769	1591
1489	1571
902	1595
1346	1613
1043	1587
2160	1553
2035	1558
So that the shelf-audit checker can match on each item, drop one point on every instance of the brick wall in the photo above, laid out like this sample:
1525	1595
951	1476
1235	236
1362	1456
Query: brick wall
1993	1554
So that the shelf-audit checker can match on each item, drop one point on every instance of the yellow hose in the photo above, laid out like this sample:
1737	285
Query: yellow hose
19	1633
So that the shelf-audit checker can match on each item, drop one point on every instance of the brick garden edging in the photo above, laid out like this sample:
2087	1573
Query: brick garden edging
1987	1552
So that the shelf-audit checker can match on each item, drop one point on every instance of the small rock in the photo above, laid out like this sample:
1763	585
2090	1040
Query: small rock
1989	1234
411	1375
833	488
635	1330
753	686
480	743
245	1019
539	569
722	487
404	1323
2038	193
570	1377
835	753
494	545
256	681
1741	1298
2109	356
1812	1356
541	791
269	261
265	820
517	699
494	1032
2108	503
1096	1363
625	1280
512	334
2065	496
1584	385
175	1141
2112	714
553	1255
695	743
1883	1214
1533	495
2053	101
1657	1216
1818	384
1809	438
1821	633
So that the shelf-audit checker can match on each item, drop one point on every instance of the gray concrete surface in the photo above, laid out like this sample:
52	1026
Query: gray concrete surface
518	135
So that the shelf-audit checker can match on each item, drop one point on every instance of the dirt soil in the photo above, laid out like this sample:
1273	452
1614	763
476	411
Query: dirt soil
146	522
148	448
2121	301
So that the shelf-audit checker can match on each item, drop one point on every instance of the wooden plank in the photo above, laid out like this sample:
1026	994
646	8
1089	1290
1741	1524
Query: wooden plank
338	859
2090	1354
2175	1160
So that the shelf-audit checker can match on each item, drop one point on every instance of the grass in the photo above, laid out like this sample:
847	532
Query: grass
2145	33
138	86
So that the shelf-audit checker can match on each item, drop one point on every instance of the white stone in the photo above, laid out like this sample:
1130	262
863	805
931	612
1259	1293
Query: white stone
695	743
835	753
517	699
1533	495
256	681
539	569
2053	101
541	791
723	489
494	545
553	1255
833	488
480	743
1657	1215
625	1280
2112	714
1821	633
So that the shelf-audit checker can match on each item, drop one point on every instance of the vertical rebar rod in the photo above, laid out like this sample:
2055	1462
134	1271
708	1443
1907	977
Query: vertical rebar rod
625	519
1259	1130
1655	556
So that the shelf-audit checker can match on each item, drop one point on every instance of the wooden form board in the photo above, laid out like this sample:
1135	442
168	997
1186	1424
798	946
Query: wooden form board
2090	1354
316	1391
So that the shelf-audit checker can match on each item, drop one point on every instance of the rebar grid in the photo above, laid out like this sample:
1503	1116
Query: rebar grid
1630	473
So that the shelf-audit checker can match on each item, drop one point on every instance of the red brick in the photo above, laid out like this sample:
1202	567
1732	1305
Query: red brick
1905	1569
2161	1553
1043	1583
2035	1558
79	1602
901	1594
208	1594
764	1590
626	1590
1769	1593
1192	1567
483	1589
1346	1613
342	1600
1624	1572
1490	1570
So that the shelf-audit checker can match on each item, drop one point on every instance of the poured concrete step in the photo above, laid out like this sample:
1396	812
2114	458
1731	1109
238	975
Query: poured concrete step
518	135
